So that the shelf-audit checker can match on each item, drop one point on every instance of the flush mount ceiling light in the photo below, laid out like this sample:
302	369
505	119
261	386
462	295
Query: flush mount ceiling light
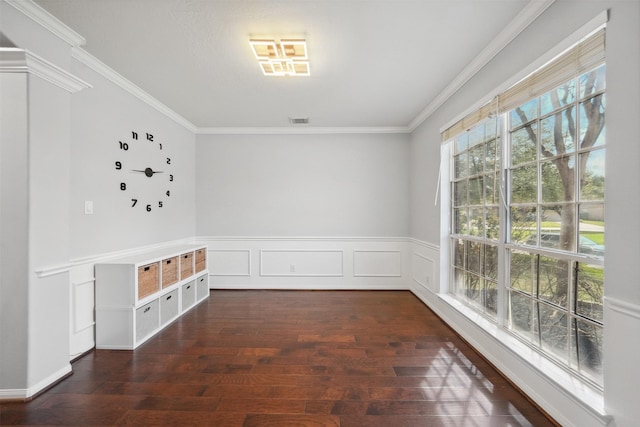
281	57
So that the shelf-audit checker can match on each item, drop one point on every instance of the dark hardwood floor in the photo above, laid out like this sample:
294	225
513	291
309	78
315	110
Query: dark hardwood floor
288	358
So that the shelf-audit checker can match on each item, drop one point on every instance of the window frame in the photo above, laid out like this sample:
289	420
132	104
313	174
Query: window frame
505	247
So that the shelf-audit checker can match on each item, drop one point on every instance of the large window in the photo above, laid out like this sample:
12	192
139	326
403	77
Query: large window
475	216
527	211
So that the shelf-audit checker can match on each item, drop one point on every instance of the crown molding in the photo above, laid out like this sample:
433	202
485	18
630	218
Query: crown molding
299	130
590	27
531	11
110	74
48	21
348	239
14	60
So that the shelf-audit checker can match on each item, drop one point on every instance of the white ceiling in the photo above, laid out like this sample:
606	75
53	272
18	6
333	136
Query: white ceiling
374	63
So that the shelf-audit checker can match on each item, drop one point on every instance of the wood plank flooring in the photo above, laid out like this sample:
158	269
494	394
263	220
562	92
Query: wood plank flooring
288	358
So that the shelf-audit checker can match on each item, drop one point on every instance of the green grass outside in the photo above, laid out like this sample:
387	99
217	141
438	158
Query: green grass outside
596	236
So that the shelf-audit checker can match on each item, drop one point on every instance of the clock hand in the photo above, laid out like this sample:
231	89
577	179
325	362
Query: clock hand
148	171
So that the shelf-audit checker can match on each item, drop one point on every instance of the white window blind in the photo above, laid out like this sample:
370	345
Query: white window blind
586	54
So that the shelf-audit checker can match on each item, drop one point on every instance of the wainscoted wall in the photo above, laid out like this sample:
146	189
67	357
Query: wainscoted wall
380	263
308	263
255	263
82	303
424	266
81	282
622	323
274	263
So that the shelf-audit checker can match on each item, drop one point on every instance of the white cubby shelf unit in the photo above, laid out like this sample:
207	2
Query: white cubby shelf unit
138	295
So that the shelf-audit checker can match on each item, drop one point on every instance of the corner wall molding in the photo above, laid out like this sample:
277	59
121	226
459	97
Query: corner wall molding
623	307
13	60
427	245
48	21
299	238
113	76
596	22
531	11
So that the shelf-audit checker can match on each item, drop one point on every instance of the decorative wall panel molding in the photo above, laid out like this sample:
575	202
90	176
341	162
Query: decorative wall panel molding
236	262
82	306
301	263
377	263
422	271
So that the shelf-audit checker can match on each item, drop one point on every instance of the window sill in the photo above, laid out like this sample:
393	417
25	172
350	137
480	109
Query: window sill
574	388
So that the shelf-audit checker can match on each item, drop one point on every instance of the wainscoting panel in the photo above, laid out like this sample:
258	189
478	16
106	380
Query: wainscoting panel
301	263
621	334
83	313
377	263
308	262
230	262
81	309
422	271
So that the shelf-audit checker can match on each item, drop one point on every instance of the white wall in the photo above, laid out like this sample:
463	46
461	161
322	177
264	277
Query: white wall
49	165
41	151
304	211
65	147
14	225
102	116
302	185
622	302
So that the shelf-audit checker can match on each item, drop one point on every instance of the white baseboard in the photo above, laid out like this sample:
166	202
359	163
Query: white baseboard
26	393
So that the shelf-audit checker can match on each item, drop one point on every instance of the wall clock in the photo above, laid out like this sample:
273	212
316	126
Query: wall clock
145	171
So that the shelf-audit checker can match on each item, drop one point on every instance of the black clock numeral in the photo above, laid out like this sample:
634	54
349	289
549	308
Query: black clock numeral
118	166
124	146
134	135
160	204
123	186
148	208
160	144
168	193
149	137
168	160
134	202
171	178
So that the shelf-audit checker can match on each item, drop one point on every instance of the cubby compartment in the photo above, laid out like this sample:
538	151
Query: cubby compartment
138	295
186	265
169	272
148	280
169	307
202	287
147	320
201	260
188	295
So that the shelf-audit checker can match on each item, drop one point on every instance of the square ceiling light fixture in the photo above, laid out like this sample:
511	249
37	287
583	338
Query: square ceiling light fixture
281	57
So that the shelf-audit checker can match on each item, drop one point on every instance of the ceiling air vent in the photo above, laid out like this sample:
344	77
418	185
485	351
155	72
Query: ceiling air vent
299	120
